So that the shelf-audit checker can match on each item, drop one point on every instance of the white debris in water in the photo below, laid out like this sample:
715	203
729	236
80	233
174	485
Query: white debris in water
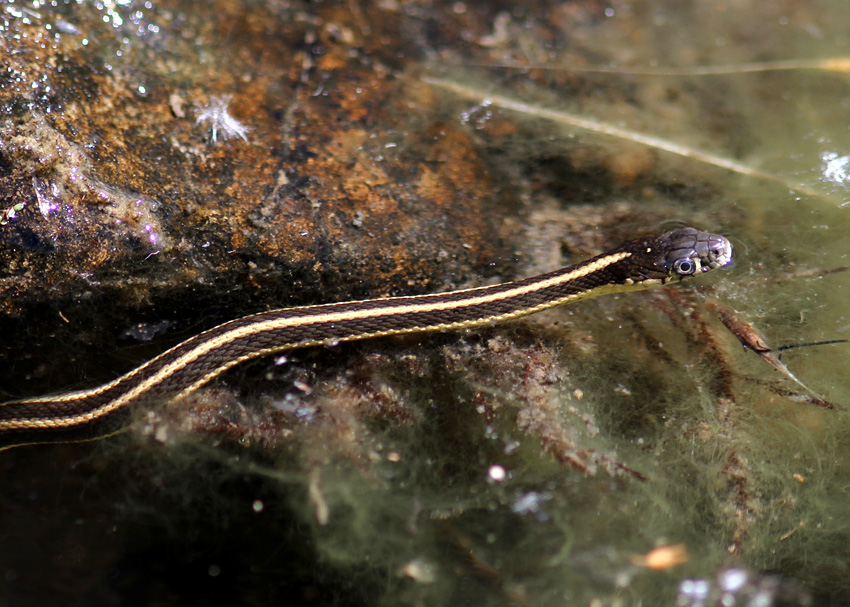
222	123
836	168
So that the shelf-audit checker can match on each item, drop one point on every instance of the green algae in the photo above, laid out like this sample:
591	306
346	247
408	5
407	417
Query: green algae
531	464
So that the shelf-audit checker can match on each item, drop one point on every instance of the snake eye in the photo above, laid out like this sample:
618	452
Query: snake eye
684	266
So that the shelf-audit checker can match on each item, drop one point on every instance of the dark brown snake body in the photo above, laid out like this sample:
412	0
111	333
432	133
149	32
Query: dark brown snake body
189	365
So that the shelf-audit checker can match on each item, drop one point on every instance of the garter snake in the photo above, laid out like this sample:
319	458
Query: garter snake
187	366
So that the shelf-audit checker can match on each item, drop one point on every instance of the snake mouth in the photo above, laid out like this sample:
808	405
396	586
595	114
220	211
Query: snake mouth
719	253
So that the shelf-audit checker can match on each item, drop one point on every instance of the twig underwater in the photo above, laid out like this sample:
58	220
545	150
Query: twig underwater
606	129
809	344
754	341
836	65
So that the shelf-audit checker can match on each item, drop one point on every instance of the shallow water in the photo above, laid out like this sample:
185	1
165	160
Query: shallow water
533	464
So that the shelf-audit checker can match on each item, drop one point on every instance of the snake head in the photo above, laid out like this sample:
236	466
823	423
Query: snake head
676	255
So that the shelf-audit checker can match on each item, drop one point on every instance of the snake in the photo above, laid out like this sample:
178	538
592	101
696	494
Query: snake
97	412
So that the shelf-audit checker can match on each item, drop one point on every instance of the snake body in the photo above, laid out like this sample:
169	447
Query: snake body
84	414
